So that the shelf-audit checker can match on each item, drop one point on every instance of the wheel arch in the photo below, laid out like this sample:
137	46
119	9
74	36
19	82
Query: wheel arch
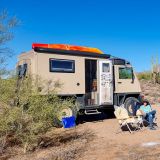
119	98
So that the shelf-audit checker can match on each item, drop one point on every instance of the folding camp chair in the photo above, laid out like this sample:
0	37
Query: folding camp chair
145	120
125	120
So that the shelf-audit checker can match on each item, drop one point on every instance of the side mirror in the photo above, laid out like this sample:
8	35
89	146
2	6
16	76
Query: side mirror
133	77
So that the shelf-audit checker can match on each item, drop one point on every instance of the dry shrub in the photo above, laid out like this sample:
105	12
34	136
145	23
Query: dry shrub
26	114
144	75
60	144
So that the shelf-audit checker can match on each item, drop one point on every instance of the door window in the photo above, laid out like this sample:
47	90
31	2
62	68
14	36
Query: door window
105	67
125	73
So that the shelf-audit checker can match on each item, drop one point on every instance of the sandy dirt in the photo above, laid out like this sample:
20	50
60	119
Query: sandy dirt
103	143
141	145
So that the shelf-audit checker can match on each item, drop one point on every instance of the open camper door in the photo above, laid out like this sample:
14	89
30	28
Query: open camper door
105	82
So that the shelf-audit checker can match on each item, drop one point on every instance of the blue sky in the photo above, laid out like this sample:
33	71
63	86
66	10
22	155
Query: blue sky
124	28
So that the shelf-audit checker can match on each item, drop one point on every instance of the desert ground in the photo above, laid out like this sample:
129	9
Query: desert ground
97	139
108	145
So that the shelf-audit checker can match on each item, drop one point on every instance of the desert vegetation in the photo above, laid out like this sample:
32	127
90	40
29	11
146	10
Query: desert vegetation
26	114
152	75
145	75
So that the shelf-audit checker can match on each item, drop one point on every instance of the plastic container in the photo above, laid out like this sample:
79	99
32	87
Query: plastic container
69	122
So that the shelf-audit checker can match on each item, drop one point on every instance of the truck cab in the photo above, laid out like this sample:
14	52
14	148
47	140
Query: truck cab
115	83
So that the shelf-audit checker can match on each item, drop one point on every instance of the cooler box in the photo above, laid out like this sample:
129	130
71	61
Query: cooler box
69	122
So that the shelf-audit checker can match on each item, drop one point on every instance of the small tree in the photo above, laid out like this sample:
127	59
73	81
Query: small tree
33	114
7	24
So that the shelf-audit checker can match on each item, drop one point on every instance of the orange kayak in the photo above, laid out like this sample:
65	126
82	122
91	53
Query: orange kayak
67	47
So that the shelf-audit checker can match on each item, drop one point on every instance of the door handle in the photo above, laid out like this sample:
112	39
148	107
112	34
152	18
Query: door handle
119	82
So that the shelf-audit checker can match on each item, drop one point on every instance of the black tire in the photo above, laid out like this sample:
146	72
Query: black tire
129	104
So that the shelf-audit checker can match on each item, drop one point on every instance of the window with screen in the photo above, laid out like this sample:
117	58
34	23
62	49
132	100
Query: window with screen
125	73
19	70
105	67
62	65
22	70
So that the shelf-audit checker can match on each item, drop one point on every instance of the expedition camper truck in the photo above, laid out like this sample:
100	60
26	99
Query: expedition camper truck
96	80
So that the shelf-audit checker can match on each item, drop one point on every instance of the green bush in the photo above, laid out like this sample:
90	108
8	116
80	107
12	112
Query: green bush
144	75
26	114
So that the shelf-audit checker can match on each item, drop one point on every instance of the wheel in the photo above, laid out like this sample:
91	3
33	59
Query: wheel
129	105
65	112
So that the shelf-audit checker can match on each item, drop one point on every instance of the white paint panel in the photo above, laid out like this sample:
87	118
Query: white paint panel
105	82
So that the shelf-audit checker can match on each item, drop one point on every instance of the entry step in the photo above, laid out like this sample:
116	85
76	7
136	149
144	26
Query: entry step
91	111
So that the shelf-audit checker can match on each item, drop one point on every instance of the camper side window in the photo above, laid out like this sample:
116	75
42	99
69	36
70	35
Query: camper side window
62	65
21	70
